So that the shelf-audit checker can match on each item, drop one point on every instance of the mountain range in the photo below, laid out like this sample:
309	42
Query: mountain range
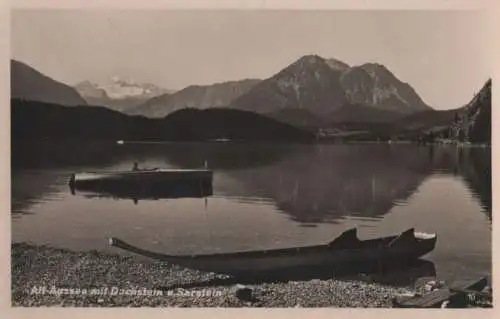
119	94
320	86
316	94
323	86
326	88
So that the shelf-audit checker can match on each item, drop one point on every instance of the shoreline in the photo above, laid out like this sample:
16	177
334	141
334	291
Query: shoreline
46	276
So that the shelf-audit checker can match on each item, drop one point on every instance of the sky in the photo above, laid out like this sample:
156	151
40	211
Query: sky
444	55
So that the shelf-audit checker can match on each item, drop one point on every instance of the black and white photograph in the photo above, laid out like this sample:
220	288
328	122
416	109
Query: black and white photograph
250	158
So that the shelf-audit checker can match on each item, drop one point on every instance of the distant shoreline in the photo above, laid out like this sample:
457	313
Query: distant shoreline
216	142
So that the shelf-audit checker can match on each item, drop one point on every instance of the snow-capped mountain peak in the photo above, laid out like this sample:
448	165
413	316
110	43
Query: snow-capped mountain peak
118	88
119	93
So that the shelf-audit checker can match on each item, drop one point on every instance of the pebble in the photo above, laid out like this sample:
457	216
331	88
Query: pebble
46	266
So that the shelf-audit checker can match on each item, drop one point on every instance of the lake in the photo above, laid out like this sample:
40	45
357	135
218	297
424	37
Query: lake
264	196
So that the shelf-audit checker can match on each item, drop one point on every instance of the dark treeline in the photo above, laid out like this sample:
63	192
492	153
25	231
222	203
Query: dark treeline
35	120
481	129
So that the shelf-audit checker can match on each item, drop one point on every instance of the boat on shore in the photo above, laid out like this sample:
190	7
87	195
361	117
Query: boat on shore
345	251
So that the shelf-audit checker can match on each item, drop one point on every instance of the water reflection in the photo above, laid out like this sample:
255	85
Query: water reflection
395	274
48	154
29	187
167	191
325	183
309	183
264	196
222	156
472	164
477	173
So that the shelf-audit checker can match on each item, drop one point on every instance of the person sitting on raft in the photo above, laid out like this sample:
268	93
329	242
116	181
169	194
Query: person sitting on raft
136	167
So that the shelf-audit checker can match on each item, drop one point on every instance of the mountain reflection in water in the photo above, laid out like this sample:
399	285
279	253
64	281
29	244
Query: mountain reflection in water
310	183
264	196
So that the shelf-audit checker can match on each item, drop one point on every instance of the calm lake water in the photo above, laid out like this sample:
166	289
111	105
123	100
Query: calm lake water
264	196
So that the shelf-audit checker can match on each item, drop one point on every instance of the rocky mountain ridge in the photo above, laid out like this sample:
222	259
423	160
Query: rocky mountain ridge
323	86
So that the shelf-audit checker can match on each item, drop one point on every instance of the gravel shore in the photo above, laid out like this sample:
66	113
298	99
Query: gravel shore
45	276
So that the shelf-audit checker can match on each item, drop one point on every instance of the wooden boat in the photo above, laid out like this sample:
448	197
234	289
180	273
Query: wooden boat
175	191
343	252
143	182
142	176
435	299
